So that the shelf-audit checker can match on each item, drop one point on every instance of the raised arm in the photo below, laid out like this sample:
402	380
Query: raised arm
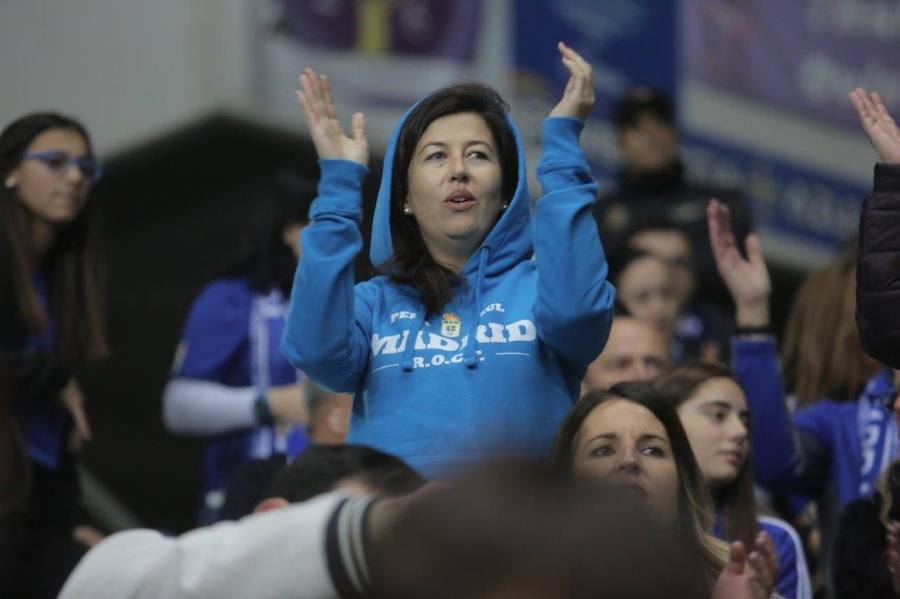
784	458
877	292
326	334
573	311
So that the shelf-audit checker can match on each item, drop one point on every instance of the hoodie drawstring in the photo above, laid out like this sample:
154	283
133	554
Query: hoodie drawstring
471	353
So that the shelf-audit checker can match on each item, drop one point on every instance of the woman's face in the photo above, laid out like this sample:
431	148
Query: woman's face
645	289
624	444
56	197
455	184
716	420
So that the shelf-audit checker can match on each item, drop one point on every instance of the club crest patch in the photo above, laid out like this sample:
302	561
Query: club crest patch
450	325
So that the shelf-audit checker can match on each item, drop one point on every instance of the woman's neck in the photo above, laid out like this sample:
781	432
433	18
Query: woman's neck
452	255
43	234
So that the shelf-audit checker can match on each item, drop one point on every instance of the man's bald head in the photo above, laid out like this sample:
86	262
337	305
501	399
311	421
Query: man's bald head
635	351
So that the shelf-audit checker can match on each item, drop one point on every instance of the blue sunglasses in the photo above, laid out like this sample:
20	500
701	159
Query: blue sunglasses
59	162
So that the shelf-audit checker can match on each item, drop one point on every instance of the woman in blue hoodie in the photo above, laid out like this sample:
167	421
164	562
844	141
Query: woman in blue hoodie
474	339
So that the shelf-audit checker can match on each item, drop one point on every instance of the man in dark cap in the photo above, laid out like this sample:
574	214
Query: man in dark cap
653	185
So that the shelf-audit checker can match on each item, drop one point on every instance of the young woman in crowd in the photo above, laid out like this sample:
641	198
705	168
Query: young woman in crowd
713	410
630	437
833	448
645	288
51	321
230	382
465	345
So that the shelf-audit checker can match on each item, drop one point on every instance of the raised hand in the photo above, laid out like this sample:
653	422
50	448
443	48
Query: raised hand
878	124
578	97
749	577
747	279
323	125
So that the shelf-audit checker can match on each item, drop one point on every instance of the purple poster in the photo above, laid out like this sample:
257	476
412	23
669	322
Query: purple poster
804	55
436	28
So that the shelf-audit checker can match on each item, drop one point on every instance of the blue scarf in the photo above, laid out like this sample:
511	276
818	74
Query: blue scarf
877	430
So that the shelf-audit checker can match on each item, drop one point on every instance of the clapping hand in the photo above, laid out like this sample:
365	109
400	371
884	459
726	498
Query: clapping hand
578	97
749	576
878	124
324	128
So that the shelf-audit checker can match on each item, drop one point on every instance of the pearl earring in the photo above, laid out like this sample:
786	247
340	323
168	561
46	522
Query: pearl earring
504	206
407	210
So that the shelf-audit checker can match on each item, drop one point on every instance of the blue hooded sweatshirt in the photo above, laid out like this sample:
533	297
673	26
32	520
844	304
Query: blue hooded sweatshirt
496	370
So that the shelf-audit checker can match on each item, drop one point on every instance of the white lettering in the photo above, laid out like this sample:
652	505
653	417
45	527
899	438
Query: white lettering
418	362
438	359
441	343
402	315
521	330
387	345
493	308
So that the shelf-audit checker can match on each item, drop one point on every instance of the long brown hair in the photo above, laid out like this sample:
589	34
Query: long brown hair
695	516
411	262
73	267
822	355
736	500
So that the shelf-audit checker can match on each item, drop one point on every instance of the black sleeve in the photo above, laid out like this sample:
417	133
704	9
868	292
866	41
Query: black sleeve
346	543
878	268
32	373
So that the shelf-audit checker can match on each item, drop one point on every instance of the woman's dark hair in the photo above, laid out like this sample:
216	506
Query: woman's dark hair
694	513
411	263
73	268
737	500
620	261
822	354
266	262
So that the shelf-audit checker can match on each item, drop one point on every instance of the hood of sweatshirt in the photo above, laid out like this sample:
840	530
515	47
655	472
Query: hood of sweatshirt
507	244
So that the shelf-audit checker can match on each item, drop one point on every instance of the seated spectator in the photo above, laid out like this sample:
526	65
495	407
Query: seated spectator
329	413
320	469
635	351
230	382
702	330
713	410
476	538
653	184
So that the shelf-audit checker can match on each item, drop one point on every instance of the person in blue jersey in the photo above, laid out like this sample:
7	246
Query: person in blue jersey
832	449
475	338
230	382
713	410
51	322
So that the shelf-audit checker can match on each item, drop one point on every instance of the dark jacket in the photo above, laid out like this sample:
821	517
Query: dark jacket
878	268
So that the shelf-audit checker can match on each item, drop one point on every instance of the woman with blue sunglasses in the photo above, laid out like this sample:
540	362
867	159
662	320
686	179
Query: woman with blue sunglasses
51	321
